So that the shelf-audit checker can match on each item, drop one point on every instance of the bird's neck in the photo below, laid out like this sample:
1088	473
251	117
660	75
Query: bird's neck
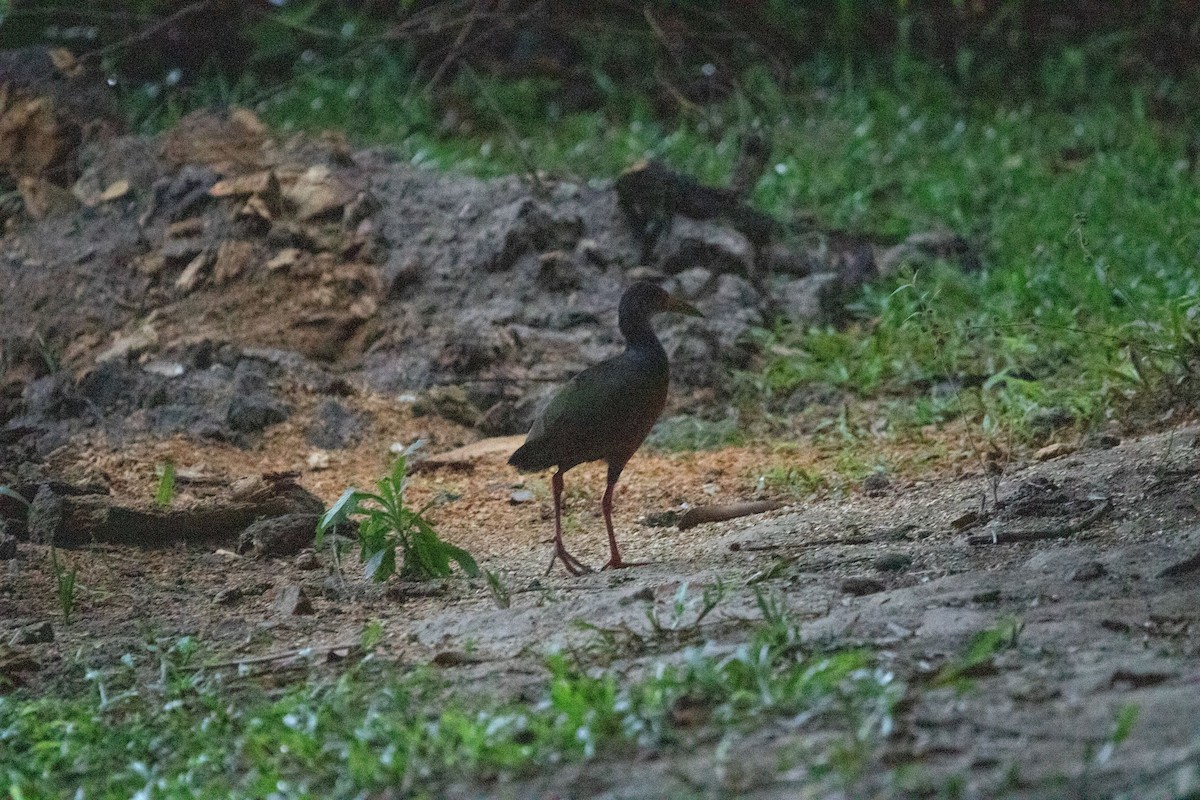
640	337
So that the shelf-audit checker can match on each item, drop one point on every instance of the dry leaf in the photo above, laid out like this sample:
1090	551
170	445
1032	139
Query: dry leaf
192	274
115	191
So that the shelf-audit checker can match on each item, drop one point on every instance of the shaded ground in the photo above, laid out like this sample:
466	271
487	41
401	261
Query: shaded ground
235	312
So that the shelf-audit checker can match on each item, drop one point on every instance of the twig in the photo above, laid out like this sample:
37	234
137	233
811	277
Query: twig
147	32
517	141
1038	534
703	514
455	48
239	662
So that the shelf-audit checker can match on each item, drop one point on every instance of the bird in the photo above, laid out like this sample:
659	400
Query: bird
605	412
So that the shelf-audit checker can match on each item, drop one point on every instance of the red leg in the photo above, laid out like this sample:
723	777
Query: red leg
614	561
570	562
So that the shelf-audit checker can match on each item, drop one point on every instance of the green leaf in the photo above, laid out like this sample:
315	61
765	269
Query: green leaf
340	511
380	566
464	560
15	495
166	485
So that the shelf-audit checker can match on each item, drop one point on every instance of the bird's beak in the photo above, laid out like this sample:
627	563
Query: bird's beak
682	307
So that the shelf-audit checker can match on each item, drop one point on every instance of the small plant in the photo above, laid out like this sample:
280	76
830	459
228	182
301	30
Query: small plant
978	659
14	495
1123	724
387	525
500	592
709	600
64	582
165	492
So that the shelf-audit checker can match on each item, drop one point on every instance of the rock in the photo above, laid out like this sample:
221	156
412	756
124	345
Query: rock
893	562
177	252
520	497
779	259
859	586
307	560
252	407
254	413
1047	420
802	300
292	601
280	536
129	345
501	419
8	545
317	460
1054	450
1102	441
448	402
527	226
876	483
691	284
334	426
696	243
45	519
227	596
662	519
557	271
38	633
1088	571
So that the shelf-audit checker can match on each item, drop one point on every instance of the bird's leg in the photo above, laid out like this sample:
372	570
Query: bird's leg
570	562
614	561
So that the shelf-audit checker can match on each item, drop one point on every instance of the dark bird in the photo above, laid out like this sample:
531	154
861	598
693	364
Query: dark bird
605	412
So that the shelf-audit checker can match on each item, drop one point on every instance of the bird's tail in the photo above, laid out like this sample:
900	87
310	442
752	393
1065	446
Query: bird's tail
529	457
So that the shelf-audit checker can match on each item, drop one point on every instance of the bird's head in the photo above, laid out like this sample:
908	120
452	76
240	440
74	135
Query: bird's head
644	299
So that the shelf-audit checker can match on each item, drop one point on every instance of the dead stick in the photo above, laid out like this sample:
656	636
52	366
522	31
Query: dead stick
703	514
1038	534
239	662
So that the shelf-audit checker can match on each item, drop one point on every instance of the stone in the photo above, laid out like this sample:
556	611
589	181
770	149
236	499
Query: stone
859	586
334	426
292	601
1054	450
276	537
38	633
448	402
1088	571
307	560
520	497
893	562
876	483
694	243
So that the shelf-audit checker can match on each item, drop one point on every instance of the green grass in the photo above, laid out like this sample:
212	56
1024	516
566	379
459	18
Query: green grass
174	729
1079	203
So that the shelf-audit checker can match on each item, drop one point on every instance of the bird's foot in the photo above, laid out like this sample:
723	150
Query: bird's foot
620	563
570	563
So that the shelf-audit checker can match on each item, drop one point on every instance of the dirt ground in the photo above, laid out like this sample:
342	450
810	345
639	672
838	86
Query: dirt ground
233	312
891	570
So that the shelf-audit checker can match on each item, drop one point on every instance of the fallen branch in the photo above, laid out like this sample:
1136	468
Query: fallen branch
1038	534
703	514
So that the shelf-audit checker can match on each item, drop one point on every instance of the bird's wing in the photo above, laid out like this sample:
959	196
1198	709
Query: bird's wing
602	412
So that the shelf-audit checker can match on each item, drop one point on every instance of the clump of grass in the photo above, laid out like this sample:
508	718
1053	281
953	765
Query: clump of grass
191	732
388	527
980	654
685	432
165	491
64	585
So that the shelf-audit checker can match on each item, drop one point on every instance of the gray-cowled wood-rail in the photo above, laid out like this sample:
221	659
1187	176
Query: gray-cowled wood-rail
605	412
